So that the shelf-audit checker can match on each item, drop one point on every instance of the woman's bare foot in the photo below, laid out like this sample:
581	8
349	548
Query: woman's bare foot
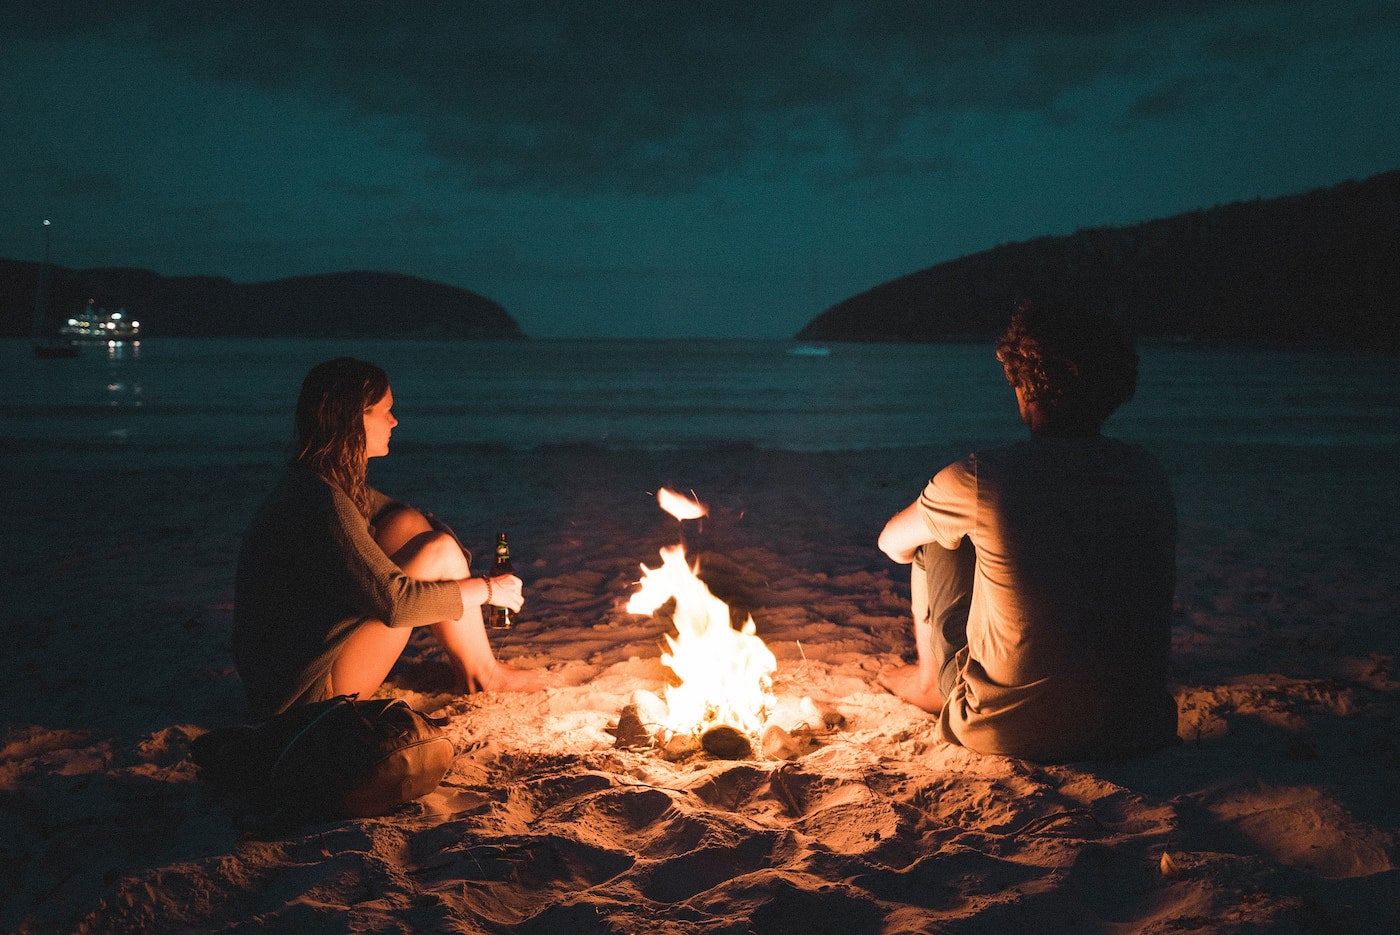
507	678
912	685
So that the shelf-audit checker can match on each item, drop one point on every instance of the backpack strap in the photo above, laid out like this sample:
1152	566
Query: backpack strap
338	702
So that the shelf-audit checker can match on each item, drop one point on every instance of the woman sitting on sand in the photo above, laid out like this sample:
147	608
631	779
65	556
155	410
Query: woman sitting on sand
333	575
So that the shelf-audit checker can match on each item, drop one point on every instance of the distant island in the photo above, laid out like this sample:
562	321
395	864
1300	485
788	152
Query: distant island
1316	270
354	304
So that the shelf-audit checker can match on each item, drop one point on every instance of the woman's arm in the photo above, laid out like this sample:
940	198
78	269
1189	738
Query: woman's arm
427	550
501	590
372	580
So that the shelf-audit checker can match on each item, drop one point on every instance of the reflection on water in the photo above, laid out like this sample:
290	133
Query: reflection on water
124	393
217	400
122	350
92	397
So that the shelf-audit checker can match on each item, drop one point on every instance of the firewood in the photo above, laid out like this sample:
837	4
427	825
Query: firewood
726	743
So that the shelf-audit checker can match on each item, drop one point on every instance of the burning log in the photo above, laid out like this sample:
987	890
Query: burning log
723	700
780	745
680	747
634	731
726	743
631	734
724	676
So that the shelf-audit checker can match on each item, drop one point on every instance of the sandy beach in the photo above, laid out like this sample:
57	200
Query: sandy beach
1277	813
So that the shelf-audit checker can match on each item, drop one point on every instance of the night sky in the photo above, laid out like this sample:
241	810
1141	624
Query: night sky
662	169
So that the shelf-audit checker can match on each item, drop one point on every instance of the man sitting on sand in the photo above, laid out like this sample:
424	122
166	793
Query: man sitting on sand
1044	570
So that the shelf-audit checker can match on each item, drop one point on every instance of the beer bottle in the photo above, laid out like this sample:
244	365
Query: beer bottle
498	617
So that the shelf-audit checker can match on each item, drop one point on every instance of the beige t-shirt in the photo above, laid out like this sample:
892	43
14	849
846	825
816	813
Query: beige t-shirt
1070	625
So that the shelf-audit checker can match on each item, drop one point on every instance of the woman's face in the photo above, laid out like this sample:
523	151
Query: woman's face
379	423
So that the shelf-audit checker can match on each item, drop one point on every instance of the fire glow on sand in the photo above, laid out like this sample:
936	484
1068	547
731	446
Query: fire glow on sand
724	691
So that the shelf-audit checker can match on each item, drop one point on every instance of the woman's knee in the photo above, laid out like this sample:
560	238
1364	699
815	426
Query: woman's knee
433	556
397	528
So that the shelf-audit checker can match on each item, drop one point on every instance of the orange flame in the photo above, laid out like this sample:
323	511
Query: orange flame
725	675
679	505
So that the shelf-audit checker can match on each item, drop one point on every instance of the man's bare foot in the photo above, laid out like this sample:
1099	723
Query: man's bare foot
507	678
910	684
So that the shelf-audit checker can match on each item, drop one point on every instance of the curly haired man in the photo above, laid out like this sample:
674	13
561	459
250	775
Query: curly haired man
1043	571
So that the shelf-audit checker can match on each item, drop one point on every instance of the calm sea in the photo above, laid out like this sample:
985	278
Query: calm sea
230	400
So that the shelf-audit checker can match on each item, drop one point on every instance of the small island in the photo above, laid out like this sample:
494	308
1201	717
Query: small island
342	305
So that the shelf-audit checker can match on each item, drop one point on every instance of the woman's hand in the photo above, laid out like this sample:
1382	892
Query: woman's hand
506	591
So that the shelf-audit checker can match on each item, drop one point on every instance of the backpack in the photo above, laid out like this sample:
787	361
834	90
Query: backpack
338	758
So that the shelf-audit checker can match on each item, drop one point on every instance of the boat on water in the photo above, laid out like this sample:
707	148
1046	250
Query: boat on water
95	323
46	341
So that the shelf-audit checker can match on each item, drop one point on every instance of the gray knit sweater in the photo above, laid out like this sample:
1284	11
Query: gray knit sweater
309	573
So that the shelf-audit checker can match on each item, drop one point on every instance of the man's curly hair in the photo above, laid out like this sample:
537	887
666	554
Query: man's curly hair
1078	364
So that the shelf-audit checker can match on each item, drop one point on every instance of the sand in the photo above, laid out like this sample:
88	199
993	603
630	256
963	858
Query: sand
1278	812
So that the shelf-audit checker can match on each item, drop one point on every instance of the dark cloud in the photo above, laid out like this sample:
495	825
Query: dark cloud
94	187
664	164
651	97
90	185
417	217
226	211
1180	95
364	192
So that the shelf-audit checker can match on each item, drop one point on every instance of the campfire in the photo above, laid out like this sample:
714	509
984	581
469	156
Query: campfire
723	695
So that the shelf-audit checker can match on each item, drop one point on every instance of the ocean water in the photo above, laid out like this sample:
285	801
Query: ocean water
230	400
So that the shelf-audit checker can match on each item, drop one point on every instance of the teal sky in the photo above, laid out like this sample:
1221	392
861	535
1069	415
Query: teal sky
662	169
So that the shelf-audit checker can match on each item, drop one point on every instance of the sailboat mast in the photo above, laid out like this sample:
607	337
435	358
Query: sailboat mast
40	305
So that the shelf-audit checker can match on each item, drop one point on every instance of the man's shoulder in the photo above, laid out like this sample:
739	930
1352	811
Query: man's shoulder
996	456
1043	447
1100	456
1132	455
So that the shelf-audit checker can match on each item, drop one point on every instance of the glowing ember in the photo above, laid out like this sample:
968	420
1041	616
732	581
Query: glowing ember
679	506
726	675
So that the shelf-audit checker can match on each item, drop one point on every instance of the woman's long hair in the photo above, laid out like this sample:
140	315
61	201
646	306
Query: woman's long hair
330	422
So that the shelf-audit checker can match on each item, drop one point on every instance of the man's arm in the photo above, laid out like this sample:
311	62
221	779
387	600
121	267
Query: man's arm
904	533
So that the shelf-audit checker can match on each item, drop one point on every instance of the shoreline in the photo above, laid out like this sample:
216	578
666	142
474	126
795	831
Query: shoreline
28	457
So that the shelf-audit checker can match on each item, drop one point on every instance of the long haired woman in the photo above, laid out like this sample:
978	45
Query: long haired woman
333	575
